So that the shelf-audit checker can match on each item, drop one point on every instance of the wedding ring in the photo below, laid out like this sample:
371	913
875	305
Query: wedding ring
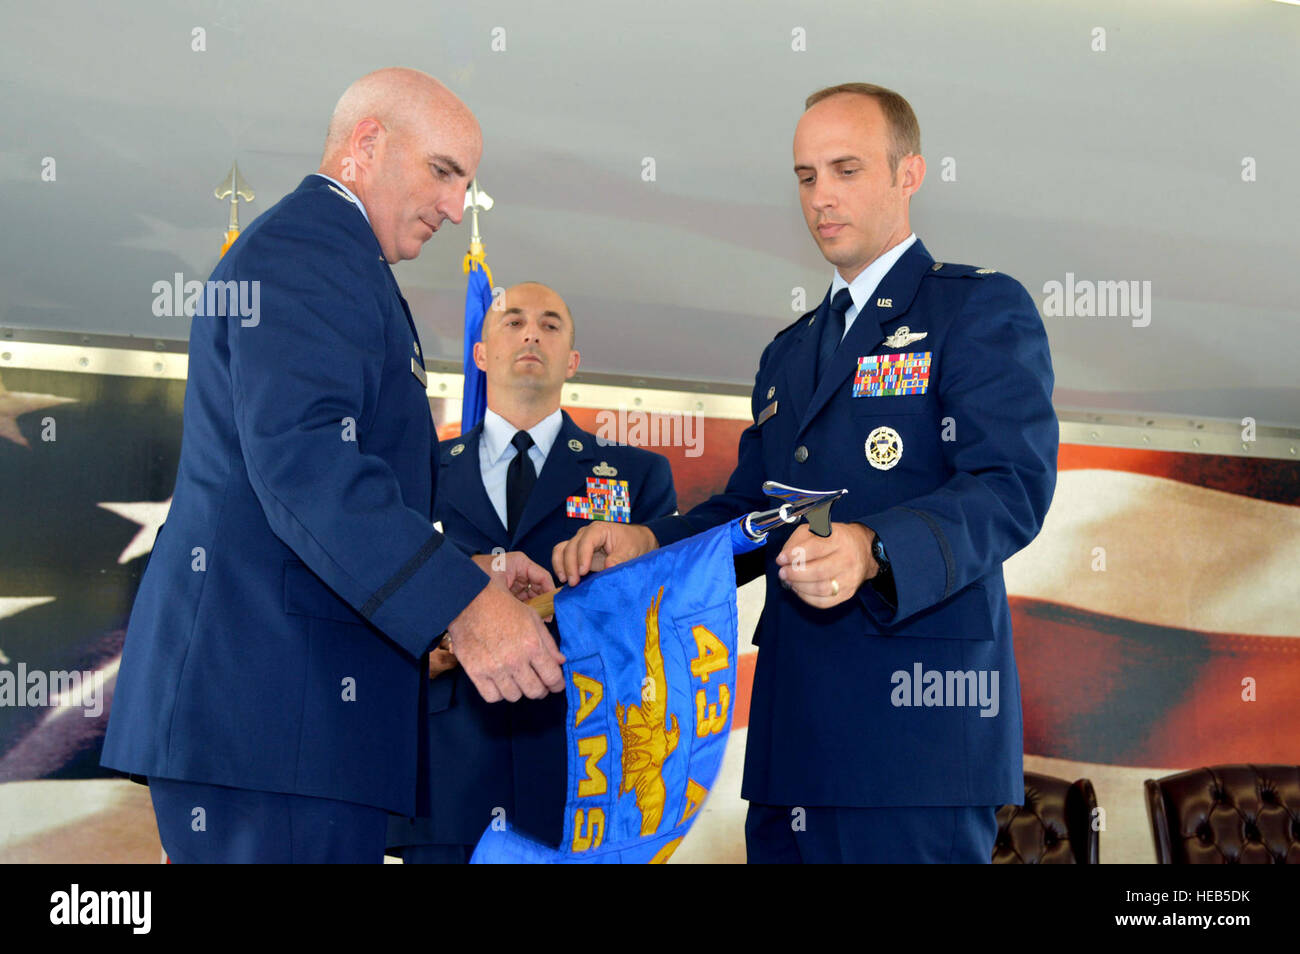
835	587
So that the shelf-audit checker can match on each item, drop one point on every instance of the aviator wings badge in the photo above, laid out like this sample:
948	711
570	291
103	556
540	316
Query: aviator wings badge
903	337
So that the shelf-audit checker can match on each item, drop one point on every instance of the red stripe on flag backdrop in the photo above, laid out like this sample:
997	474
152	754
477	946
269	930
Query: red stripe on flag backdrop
1274	480
1099	688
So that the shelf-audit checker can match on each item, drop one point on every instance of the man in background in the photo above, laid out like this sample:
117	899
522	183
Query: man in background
523	479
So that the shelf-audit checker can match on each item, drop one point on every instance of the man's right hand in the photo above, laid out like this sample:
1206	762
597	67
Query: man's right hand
505	648
599	545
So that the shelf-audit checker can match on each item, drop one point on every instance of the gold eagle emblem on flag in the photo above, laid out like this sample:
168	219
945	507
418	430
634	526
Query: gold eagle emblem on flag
649	734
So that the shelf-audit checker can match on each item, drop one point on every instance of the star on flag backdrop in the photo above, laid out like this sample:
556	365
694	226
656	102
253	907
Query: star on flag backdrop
87	464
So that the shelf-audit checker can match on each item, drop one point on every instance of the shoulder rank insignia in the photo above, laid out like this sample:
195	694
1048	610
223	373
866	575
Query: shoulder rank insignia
606	500
604	470
892	375
339	192
903	337
949	270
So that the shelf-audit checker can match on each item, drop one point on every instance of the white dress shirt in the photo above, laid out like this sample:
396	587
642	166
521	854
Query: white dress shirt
495	452
864	286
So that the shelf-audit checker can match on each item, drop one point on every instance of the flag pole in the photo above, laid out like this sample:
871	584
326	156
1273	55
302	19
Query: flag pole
234	188
478	299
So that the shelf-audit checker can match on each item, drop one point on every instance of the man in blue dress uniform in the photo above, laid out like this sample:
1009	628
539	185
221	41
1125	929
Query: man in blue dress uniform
522	480
885	722
273	677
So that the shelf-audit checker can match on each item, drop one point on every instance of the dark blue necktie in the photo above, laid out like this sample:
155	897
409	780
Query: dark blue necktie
520	477
833	330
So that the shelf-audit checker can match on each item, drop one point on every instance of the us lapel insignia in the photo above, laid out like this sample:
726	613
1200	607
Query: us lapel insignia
892	375
418	370
606	500
903	337
771	392
575	445
884	448
604	470
884	303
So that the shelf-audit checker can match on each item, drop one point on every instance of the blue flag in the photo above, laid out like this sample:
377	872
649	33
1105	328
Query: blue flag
478	299
651	684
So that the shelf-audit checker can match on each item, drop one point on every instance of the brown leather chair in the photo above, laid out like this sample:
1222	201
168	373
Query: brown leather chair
1226	814
1053	827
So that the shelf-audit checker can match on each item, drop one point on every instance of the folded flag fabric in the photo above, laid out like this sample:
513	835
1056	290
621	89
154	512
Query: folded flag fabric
650	677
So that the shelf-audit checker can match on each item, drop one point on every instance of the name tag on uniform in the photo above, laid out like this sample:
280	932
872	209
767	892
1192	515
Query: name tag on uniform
606	500
892	375
417	369
767	412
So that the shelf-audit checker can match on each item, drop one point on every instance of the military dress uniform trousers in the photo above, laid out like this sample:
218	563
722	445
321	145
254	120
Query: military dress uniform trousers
241	826
435	854
946	834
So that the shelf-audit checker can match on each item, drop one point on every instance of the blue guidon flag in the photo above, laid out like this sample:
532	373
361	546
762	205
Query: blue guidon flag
478	299
650	678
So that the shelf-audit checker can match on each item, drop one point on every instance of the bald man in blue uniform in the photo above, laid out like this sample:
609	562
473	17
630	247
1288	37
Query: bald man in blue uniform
885	722
508	763
272	681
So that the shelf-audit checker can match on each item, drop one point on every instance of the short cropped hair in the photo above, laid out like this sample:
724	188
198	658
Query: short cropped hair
904	130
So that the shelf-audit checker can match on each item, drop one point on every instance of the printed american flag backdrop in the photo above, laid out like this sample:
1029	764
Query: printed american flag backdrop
1155	617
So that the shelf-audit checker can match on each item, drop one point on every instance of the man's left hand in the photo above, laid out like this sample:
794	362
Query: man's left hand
826	571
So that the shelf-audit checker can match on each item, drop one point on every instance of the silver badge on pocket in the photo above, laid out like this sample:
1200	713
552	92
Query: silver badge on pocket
884	448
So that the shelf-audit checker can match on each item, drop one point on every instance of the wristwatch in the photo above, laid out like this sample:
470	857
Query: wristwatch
878	551
883	582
